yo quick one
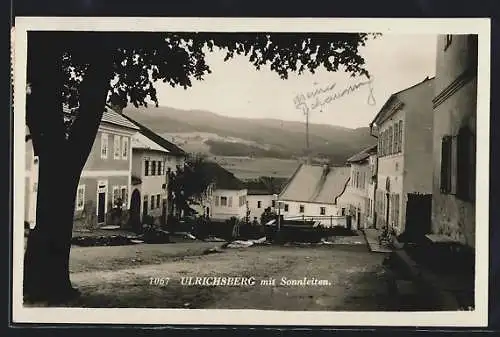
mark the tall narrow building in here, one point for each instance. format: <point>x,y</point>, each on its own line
<point>454,150</point>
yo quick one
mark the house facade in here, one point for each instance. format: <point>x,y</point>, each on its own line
<point>404,130</point>
<point>228,203</point>
<point>149,180</point>
<point>358,199</point>
<point>454,150</point>
<point>314,191</point>
<point>155,161</point>
<point>371,218</point>
<point>105,180</point>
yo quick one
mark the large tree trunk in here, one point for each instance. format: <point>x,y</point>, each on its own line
<point>46,263</point>
<point>61,160</point>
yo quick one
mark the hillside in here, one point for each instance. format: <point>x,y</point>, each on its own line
<point>202,131</point>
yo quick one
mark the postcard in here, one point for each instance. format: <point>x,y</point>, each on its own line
<point>229,171</point>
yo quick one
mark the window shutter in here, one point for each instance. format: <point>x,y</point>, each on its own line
<point>453,165</point>
<point>230,202</point>
<point>445,164</point>
<point>466,165</point>
<point>217,201</point>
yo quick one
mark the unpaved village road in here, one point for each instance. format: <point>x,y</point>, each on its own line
<point>356,277</point>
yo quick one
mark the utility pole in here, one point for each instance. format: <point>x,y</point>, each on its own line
<point>306,112</point>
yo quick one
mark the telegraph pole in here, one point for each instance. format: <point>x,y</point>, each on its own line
<point>306,112</point>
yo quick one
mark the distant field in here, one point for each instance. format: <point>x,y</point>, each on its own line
<point>247,168</point>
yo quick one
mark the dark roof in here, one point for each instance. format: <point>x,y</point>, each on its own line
<point>395,95</point>
<point>360,156</point>
<point>265,185</point>
<point>108,116</point>
<point>171,147</point>
<point>222,178</point>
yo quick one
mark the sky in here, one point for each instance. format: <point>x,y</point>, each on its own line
<point>236,89</point>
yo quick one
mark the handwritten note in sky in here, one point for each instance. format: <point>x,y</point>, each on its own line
<point>321,96</point>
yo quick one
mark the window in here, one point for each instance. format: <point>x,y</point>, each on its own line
<point>273,203</point>
<point>396,138</point>
<point>391,136</point>
<point>322,210</point>
<point>259,204</point>
<point>124,195</point>
<point>216,201</point>
<point>146,167</point>
<point>157,201</point>
<point>80,197</point>
<point>448,41</point>
<point>382,144</point>
<point>387,143</point>
<point>104,145</point>
<point>301,208</point>
<point>357,179</point>
<point>152,202</point>
<point>116,147</point>
<point>116,194</point>
<point>125,148</point>
<point>343,211</point>
<point>158,168</point>
<point>286,207</point>
<point>400,136</point>
<point>153,168</point>
<point>223,201</point>
<point>230,202</point>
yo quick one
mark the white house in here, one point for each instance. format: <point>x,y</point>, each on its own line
<point>262,193</point>
<point>313,191</point>
<point>153,159</point>
<point>149,180</point>
<point>404,176</point>
<point>358,199</point>
<point>225,196</point>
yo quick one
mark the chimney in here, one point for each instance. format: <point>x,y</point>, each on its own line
<point>326,169</point>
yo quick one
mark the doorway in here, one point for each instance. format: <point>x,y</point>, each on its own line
<point>102,189</point>
<point>144,208</point>
<point>135,210</point>
<point>387,210</point>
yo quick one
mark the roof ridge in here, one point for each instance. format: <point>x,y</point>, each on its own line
<point>175,149</point>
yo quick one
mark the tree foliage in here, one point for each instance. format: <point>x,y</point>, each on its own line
<point>138,60</point>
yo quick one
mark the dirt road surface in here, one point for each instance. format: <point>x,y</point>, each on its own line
<point>351,278</point>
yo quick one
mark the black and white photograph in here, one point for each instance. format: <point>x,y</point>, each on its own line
<point>251,171</point>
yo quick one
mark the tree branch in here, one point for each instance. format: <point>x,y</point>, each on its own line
<point>93,94</point>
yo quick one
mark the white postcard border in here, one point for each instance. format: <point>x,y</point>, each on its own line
<point>478,317</point>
